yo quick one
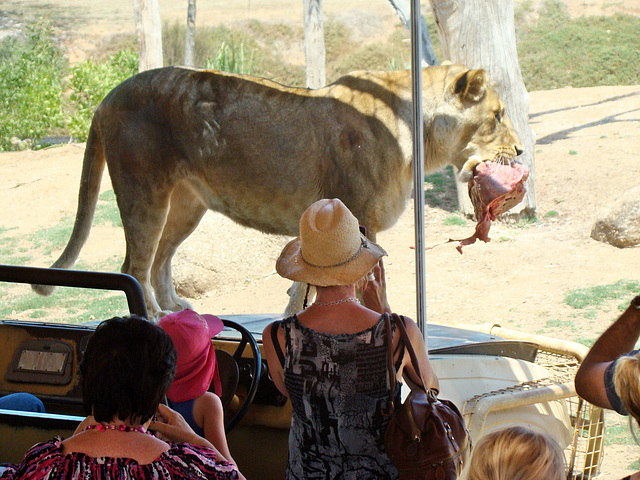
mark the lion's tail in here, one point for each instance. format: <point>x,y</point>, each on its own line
<point>90,180</point>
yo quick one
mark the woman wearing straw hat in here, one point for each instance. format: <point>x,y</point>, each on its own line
<point>330,359</point>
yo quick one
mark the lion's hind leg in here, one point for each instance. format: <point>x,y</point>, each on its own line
<point>143,205</point>
<point>185,212</point>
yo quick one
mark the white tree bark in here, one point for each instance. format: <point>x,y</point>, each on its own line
<point>403,10</point>
<point>149,33</point>
<point>314,43</point>
<point>481,34</point>
<point>190,35</point>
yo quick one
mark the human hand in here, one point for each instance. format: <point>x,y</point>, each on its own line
<point>373,289</point>
<point>171,426</point>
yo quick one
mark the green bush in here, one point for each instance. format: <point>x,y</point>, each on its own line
<point>91,82</point>
<point>31,87</point>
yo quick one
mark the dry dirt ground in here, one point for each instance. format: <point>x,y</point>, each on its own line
<point>586,157</point>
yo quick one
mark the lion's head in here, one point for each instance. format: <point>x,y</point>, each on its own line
<point>473,110</point>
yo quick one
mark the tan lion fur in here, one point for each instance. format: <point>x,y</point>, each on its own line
<point>179,141</point>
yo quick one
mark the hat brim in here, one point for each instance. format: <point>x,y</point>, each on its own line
<point>214,323</point>
<point>291,265</point>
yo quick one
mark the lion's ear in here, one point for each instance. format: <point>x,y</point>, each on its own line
<point>471,85</point>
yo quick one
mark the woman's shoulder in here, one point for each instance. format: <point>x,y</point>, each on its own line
<point>42,451</point>
<point>36,461</point>
<point>181,456</point>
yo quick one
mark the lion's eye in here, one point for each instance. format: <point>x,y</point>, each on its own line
<point>499,114</point>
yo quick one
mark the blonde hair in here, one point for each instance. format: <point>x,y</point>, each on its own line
<point>626,379</point>
<point>517,453</point>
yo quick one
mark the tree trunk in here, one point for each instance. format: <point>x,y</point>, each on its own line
<point>190,35</point>
<point>314,43</point>
<point>403,10</point>
<point>149,33</point>
<point>481,34</point>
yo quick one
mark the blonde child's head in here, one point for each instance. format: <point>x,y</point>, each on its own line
<point>517,453</point>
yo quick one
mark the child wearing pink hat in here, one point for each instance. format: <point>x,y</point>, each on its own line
<point>196,370</point>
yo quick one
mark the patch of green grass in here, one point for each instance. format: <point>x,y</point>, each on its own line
<point>551,214</point>
<point>557,323</point>
<point>111,264</point>
<point>231,58</point>
<point>55,237</point>
<point>72,305</point>
<point>440,189</point>
<point>456,220</point>
<point>607,47</point>
<point>107,212</point>
<point>526,222</point>
<point>587,341</point>
<point>573,152</point>
<point>590,314</point>
<point>618,435</point>
<point>8,246</point>
<point>583,298</point>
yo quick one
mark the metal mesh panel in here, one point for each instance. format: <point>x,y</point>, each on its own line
<point>585,453</point>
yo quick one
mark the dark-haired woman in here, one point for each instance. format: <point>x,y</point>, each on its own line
<point>126,370</point>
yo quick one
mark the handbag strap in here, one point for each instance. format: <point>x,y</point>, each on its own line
<point>416,435</point>
<point>391,369</point>
<point>399,321</point>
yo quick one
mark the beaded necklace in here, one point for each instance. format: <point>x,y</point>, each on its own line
<point>103,427</point>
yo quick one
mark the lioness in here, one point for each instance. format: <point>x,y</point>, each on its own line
<point>179,141</point>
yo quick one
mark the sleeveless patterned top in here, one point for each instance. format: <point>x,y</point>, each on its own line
<point>339,389</point>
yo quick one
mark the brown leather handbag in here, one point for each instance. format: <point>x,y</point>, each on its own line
<point>426,437</point>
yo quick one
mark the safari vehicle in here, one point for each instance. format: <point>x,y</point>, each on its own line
<point>497,377</point>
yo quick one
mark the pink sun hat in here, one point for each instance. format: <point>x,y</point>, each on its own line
<point>196,366</point>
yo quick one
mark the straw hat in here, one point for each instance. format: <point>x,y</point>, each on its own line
<point>330,249</point>
<point>196,367</point>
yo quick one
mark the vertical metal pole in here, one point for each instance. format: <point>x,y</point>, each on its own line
<point>418,164</point>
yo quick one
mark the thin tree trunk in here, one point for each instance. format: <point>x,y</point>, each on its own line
<point>190,35</point>
<point>403,10</point>
<point>149,33</point>
<point>314,43</point>
<point>481,34</point>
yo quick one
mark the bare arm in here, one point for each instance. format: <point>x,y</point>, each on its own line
<point>374,297</point>
<point>208,412</point>
<point>374,290</point>
<point>273,362</point>
<point>618,339</point>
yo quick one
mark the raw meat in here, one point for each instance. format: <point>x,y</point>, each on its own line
<point>494,189</point>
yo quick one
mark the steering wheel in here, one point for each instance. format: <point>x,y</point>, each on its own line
<point>233,372</point>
